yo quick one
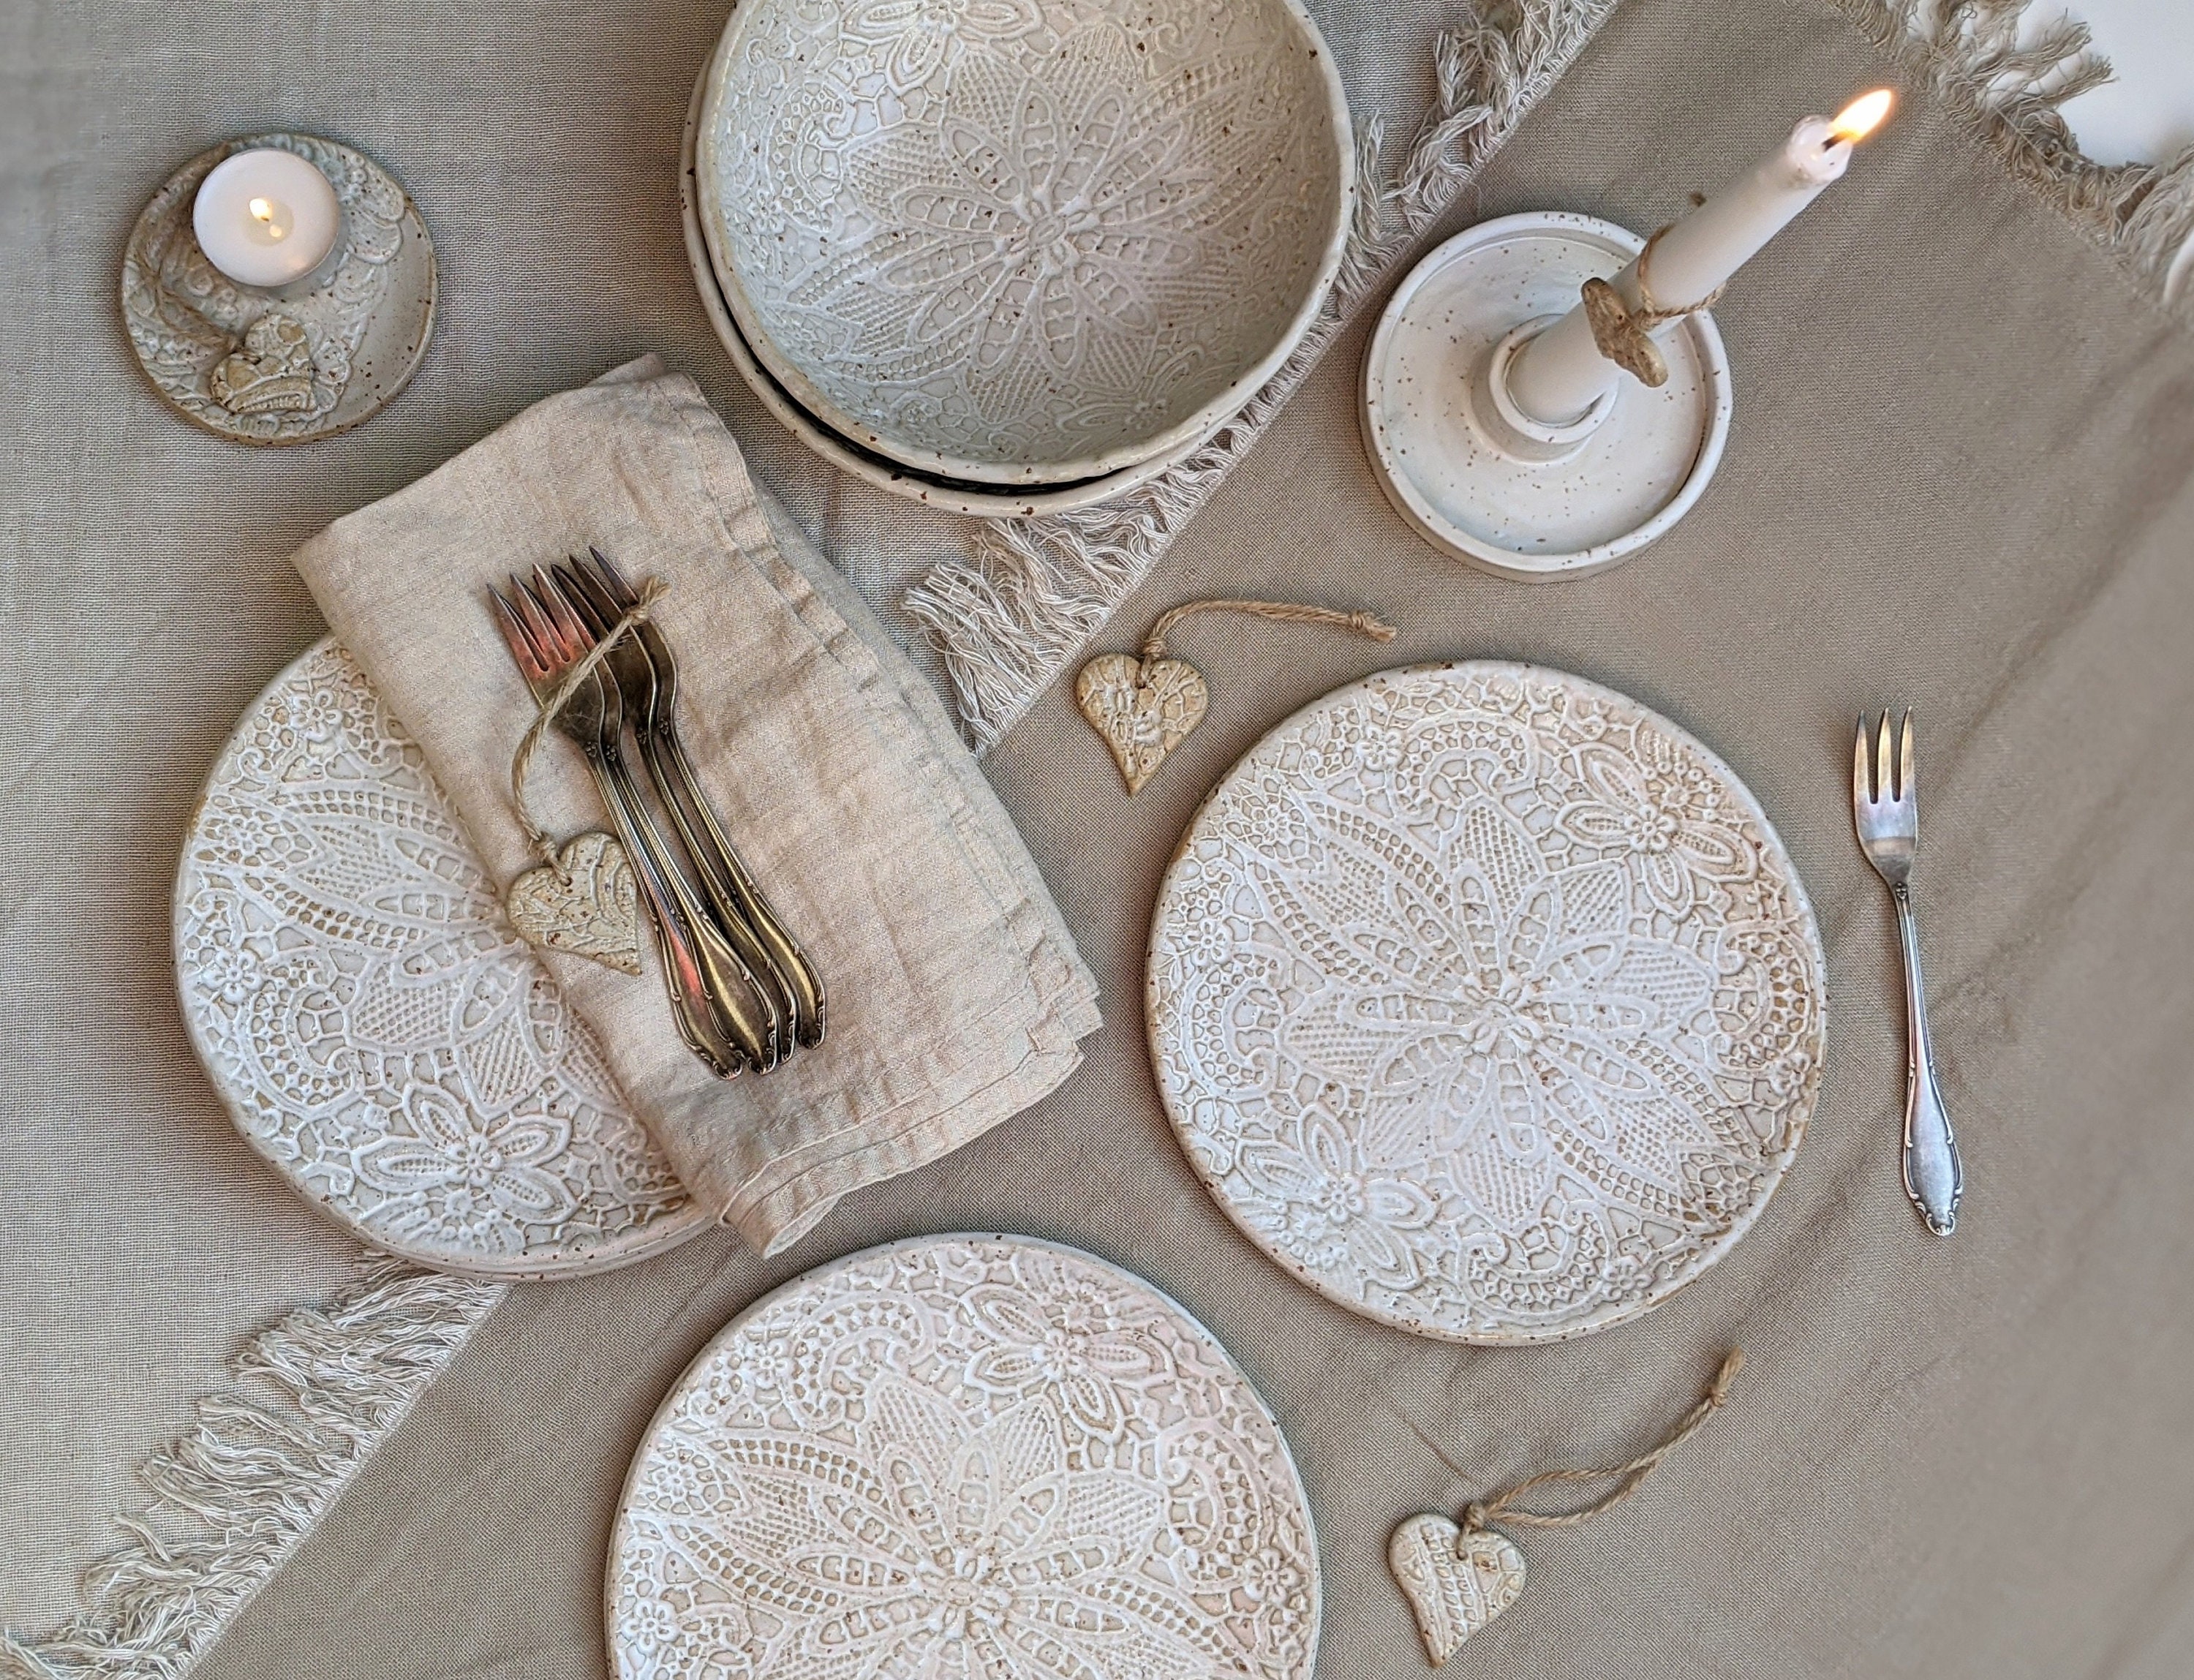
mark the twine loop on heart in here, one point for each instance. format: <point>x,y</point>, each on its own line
<point>652,590</point>
<point>1628,1477</point>
<point>1623,334</point>
<point>1280,612</point>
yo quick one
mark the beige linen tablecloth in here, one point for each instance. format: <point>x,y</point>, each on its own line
<point>148,595</point>
<point>1960,477</point>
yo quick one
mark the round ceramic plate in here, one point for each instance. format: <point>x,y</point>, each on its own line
<point>377,1031</point>
<point>964,1456</point>
<point>1024,241</point>
<point>959,496</point>
<point>1486,1002</point>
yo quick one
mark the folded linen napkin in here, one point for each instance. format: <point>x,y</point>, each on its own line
<point>956,995</point>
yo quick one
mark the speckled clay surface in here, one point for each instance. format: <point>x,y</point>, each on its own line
<point>978,501</point>
<point>1486,1002</point>
<point>271,369</point>
<point>1014,241</point>
<point>379,1032</point>
<point>1628,482</point>
<point>959,1457</point>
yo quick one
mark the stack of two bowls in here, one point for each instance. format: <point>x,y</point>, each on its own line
<point>1013,256</point>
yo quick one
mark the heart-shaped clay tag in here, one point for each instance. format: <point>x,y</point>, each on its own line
<point>271,373</point>
<point>1621,336</point>
<point>1455,1582</point>
<point>591,910</point>
<point>1141,720</point>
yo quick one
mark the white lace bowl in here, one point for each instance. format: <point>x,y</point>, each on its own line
<point>1024,241</point>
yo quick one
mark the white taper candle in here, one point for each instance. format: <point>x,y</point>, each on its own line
<point>1559,375</point>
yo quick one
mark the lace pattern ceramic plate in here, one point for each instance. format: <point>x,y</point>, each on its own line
<point>1024,241</point>
<point>1486,1002</point>
<point>962,1457</point>
<point>377,1031</point>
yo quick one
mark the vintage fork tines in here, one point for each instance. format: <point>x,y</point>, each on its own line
<point>713,997</point>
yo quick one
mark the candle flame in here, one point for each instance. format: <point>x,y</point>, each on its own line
<point>1862,116</point>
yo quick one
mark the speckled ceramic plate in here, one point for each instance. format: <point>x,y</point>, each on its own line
<point>1024,241</point>
<point>377,1031</point>
<point>964,1456</point>
<point>1486,1002</point>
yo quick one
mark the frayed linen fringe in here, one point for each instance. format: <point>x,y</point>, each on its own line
<point>1969,52</point>
<point>1035,591</point>
<point>308,1400</point>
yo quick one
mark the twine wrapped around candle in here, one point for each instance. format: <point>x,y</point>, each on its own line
<point>1624,334</point>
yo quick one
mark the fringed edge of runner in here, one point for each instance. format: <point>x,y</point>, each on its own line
<point>1970,54</point>
<point>308,1401</point>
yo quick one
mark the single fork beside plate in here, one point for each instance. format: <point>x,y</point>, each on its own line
<point>725,1015</point>
<point>1886,812</point>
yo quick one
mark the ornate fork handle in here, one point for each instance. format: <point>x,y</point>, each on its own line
<point>666,753</point>
<point>692,1006</point>
<point>728,985</point>
<point>1933,1176</point>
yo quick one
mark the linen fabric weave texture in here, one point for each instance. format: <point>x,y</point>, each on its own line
<point>1958,476</point>
<point>1961,1456</point>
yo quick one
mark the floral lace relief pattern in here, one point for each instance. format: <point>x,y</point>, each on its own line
<point>1020,230</point>
<point>379,1032</point>
<point>1487,1002</point>
<point>964,1459</point>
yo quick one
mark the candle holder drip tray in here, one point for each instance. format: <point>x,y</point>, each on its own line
<point>1479,479</point>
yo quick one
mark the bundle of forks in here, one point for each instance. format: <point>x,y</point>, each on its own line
<point>742,992</point>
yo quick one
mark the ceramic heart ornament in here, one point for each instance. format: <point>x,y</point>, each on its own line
<point>1456,1580</point>
<point>588,905</point>
<point>1143,713</point>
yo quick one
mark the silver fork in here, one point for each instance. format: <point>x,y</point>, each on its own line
<point>1885,811</point>
<point>665,752</point>
<point>741,1001</point>
<point>708,1014</point>
<point>629,667</point>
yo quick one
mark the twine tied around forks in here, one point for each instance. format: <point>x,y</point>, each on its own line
<point>652,589</point>
<point>1622,334</point>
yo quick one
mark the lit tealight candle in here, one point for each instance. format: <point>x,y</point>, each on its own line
<point>1558,376</point>
<point>266,217</point>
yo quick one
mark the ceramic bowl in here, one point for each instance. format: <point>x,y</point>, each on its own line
<point>1023,241</point>
<point>959,496</point>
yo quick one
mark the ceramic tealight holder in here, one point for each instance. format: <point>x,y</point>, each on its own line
<point>292,362</point>
<point>1474,472</point>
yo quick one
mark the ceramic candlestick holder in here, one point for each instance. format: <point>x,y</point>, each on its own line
<point>1478,476</point>
<point>292,364</point>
